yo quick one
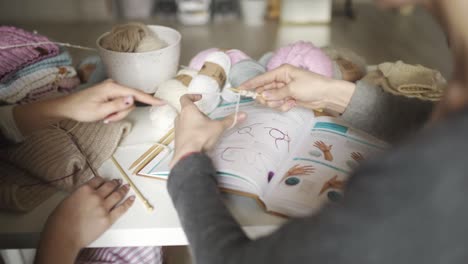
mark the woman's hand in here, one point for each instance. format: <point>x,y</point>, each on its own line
<point>106,101</point>
<point>287,86</point>
<point>82,218</point>
<point>195,132</point>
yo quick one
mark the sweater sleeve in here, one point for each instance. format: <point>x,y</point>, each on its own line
<point>384,115</point>
<point>410,200</point>
<point>9,130</point>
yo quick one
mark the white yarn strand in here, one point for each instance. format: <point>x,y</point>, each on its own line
<point>47,42</point>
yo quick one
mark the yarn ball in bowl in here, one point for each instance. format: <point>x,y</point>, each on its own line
<point>303,55</point>
<point>143,70</point>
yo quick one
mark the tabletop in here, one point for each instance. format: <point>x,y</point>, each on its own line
<point>138,227</point>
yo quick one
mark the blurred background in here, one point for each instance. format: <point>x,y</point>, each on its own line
<point>254,26</point>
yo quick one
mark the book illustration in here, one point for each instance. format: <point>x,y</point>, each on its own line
<point>357,158</point>
<point>244,155</point>
<point>333,183</point>
<point>271,174</point>
<point>292,176</point>
<point>279,136</point>
<point>315,153</point>
<point>247,130</point>
<point>326,150</point>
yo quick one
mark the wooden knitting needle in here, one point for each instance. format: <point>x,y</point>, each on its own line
<point>134,187</point>
<point>156,152</point>
<point>151,149</point>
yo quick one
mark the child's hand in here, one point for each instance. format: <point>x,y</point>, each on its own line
<point>106,101</point>
<point>194,131</point>
<point>287,86</point>
<point>82,218</point>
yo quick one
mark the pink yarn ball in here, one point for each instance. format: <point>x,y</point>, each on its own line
<point>197,62</point>
<point>303,55</point>
<point>236,56</point>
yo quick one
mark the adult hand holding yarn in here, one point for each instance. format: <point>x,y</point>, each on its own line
<point>196,132</point>
<point>287,86</point>
<point>107,100</point>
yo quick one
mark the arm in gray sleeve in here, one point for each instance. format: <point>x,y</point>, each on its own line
<point>409,201</point>
<point>384,115</point>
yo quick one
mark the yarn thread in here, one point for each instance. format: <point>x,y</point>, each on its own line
<point>62,44</point>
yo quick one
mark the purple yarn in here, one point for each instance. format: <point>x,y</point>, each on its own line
<point>14,59</point>
<point>303,55</point>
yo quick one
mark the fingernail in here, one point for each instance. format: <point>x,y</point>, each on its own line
<point>132,198</point>
<point>128,100</point>
<point>292,103</point>
<point>119,181</point>
<point>266,95</point>
<point>127,186</point>
<point>106,121</point>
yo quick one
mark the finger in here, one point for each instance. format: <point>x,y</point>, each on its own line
<point>118,90</point>
<point>275,103</point>
<point>108,187</point>
<point>116,105</point>
<point>95,182</point>
<point>280,74</point>
<point>277,94</point>
<point>228,121</point>
<point>116,196</point>
<point>290,104</point>
<point>188,99</point>
<point>121,209</point>
<point>119,115</point>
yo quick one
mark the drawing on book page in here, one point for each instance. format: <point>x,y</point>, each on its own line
<point>279,136</point>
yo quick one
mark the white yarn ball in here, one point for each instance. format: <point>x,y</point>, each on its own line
<point>229,95</point>
<point>171,90</point>
<point>162,117</point>
<point>209,87</point>
<point>150,43</point>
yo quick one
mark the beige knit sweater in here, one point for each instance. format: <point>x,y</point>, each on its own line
<point>57,157</point>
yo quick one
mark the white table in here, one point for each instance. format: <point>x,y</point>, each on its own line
<point>138,227</point>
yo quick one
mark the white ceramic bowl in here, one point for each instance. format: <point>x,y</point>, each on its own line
<point>145,70</point>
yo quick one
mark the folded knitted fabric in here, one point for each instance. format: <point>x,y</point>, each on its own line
<point>63,59</point>
<point>415,81</point>
<point>15,90</point>
<point>52,90</point>
<point>61,155</point>
<point>19,191</point>
<point>13,59</point>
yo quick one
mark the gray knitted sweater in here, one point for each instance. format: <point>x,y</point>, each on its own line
<point>408,206</point>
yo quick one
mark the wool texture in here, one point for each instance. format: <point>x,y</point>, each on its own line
<point>14,59</point>
<point>17,89</point>
<point>52,90</point>
<point>53,154</point>
<point>303,55</point>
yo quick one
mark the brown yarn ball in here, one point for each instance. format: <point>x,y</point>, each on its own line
<point>125,37</point>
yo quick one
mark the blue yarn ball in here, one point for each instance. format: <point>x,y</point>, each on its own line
<point>244,71</point>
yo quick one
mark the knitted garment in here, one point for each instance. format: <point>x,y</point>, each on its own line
<point>63,59</point>
<point>14,59</point>
<point>121,255</point>
<point>335,53</point>
<point>19,191</point>
<point>13,91</point>
<point>62,158</point>
<point>414,81</point>
<point>52,90</point>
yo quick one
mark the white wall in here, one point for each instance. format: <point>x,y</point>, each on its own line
<point>54,10</point>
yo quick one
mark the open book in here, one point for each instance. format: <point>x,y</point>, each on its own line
<point>292,162</point>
